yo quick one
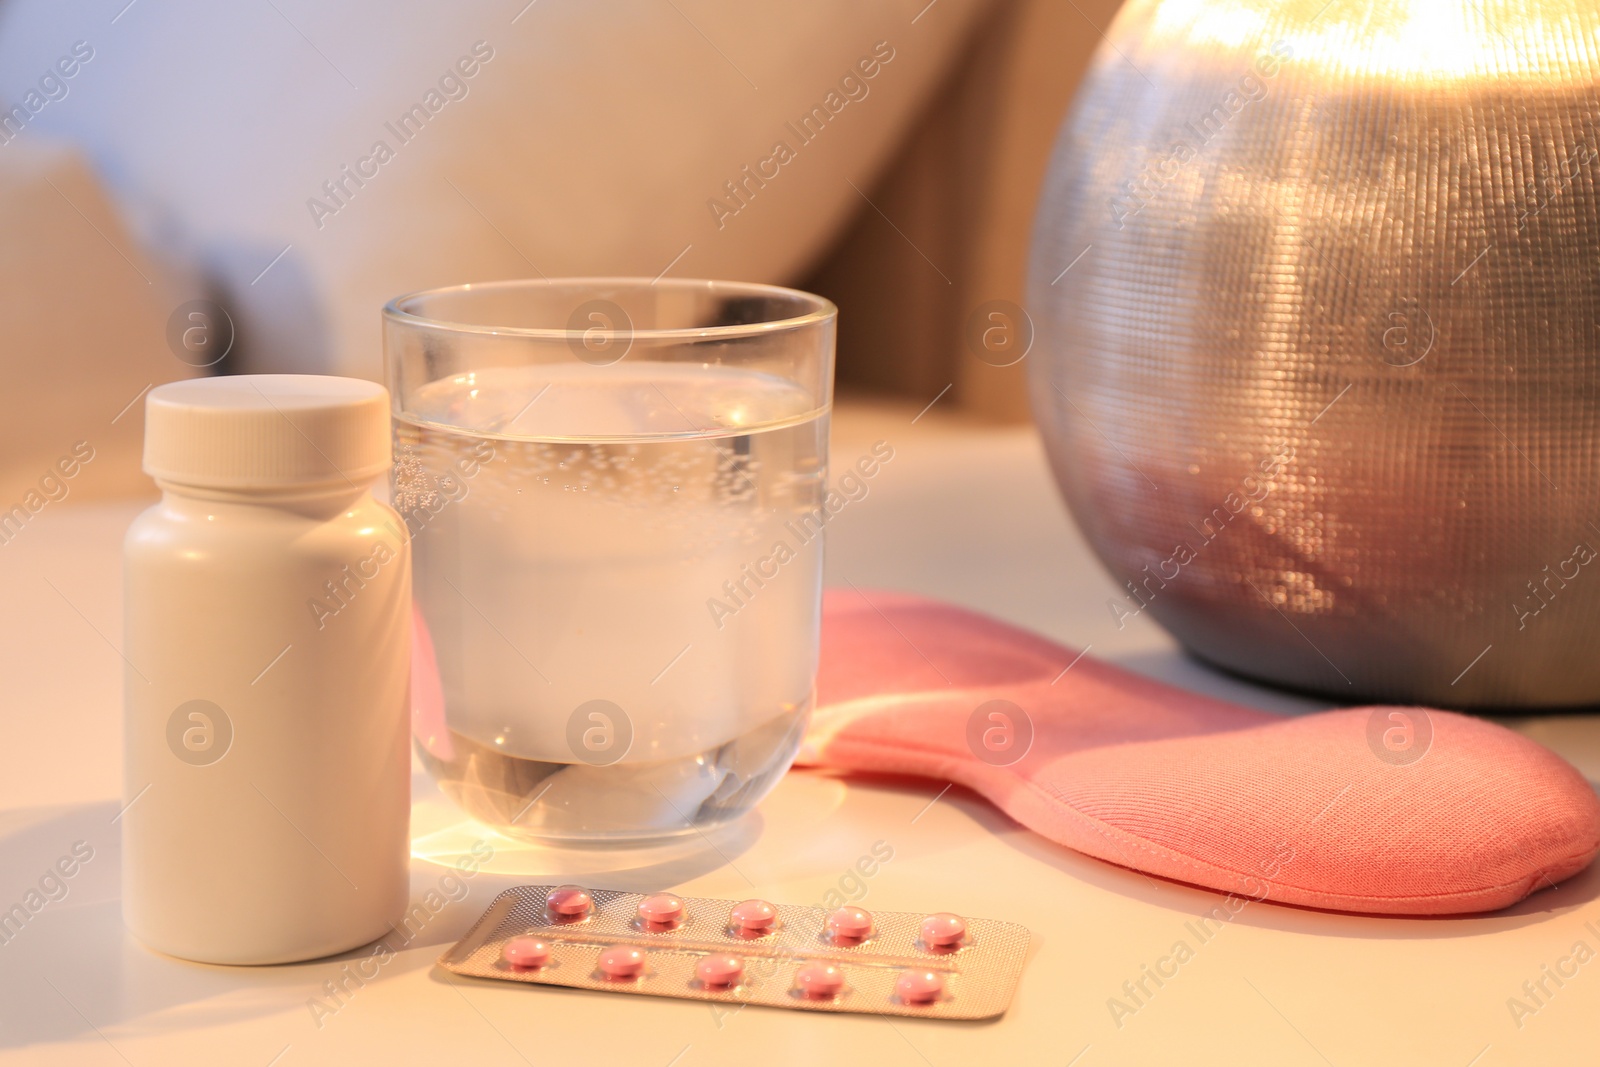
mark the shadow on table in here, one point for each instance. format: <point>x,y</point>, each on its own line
<point>72,971</point>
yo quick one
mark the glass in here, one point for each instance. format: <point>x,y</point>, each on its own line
<point>614,493</point>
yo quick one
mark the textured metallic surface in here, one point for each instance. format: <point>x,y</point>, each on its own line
<point>1363,238</point>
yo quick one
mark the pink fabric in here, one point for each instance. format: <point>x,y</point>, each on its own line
<point>1296,810</point>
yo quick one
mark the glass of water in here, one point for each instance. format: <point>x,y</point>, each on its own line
<point>614,491</point>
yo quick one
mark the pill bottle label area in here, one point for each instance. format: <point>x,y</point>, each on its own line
<point>929,964</point>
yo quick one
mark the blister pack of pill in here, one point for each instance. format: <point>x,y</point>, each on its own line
<point>937,965</point>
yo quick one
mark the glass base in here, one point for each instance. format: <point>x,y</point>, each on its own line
<point>622,804</point>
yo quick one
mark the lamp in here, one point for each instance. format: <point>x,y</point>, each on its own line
<point>1316,286</point>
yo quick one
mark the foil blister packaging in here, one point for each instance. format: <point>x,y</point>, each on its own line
<point>974,978</point>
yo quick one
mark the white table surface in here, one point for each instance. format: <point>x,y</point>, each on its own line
<point>963,511</point>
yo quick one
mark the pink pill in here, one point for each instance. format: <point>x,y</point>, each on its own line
<point>919,987</point>
<point>849,924</point>
<point>943,930</point>
<point>569,901</point>
<point>753,917</point>
<point>620,961</point>
<point>719,970</point>
<point>662,910</point>
<point>526,952</point>
<point>819,980</point>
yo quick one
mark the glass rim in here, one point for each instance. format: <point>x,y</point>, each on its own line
<point>819,308</point>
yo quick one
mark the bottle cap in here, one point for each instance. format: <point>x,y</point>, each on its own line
<point>261,431</point>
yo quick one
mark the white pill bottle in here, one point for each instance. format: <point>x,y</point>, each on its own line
<point>267,639</point>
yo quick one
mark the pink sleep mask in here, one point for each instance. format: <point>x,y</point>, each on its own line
<point>1402,811</point>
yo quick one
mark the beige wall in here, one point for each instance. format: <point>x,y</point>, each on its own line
<point>85,315</point>
<point>948,224</point>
